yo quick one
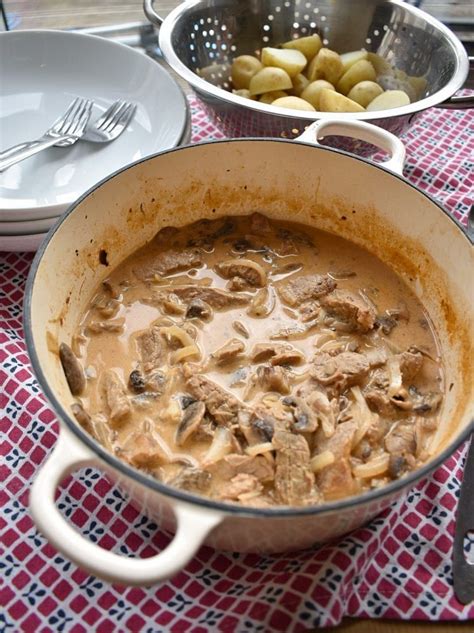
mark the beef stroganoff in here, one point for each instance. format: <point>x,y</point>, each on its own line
<point>258,362</point>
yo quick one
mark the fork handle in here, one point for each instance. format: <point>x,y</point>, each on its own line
<point>25,150</point>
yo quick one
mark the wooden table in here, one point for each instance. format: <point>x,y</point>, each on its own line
<point>87,13</point>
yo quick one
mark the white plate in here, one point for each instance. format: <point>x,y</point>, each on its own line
<point>27,227</point>
<point>42,72</point>
<point>21,243</point>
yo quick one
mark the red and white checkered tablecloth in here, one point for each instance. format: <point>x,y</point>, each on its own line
<point>398,566</point>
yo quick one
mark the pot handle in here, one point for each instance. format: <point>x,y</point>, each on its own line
<point>151,14</point>
<point>192,525</point>
<point>362,131</point>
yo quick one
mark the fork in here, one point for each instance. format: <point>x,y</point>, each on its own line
<point>110,125</point>
<point>107,128</point>
<point>67,129</point>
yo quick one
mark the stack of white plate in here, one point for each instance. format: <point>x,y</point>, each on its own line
<point>42,72</point>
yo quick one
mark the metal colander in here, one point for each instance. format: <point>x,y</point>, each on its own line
<point>200,38</point>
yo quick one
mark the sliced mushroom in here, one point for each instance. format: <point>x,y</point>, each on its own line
<point>192,418</point>
<point>273,379</point>
<point>199,309</point>
<point>72,369</point>
<point>251,271</point>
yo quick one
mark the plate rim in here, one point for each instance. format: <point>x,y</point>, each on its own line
<point>28,213</point>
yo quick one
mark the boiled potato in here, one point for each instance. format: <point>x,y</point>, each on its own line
<point>243,69</point>
<point>364,92</point>
<point>291,61</point>
<point>312,93</point>
<point>332,101</point>
<point>243,92</point>
<point>326,65</point>
<point>269,79</point>
<point>360,71</point>
<point>299,84</point>
<point>309,46</point>
<point>269,97</point>
<point>349,59</point>
<point>294,103</point>
<point>389,99</point>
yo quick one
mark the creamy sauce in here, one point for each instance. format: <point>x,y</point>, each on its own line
<point>285,252</point>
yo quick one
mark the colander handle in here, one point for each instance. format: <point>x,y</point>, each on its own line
<point>362,131</point>
<point>192,525</point>
<point>151,14</point>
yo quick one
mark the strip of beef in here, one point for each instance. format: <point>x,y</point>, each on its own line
<point>277,353</point>
<point>340,371</point>
<point>233,464</point>
<point>190,422</point>
<point>145,452</point>
<point>150,348</point>
<point>241,486</point>
<point>401,439</point>
<point>273,379</point>
<point>229,351</point>
<point>351,309</point>
<point>115,397</point>
<point>294,479</point>
<point>336,481</point>
<point>246,269</point>
<point>296,291</point>
<point>410,364</point>
<point>222,405</point>
<point>172,261</point>
<point>215,297</point>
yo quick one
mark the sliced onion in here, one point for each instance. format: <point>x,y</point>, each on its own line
<point>259,449</point>
<point>318,462</point>
<point>185,353</point>
<point>174,331</point>
<point>365,418</point>
<point>374,468</point>
<point>395,375</point>
<point>220,447</point>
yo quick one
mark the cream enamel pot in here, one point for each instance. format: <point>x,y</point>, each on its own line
<point>319,186</point>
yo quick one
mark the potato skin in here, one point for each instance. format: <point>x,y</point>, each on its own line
<point>269,79</point>
<point>360,71</point>
<point>269,97</point>
<point>309,46</point>
<point>243,69</point>
<point>326,65</point>
<point>312,93</point>
<point>364,92</point>
<point>300,82</point>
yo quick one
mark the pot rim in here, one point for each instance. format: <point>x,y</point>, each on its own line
<point>180,495</point>
<point>227,98</point>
